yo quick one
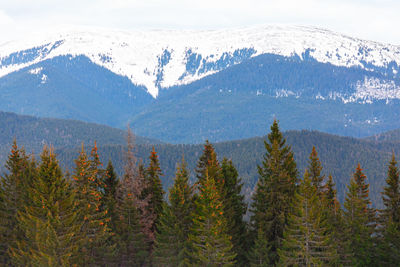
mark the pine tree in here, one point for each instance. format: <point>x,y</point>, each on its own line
<point>14,194</point>
<point>234,210</point>
<point>95,246</point>
<point>49,221</point>
<point>314,170</point>
<point>275,191</point>
<point>306,242</point>
<point>359,220</point>
<point>211,245</point>
<point>154,189</point>
<point>390,216</point>
<point>171,245</point>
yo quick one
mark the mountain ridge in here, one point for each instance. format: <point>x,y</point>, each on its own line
<point>161,59</point>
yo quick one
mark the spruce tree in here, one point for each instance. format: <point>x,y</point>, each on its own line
<point>154,190</point>
<point>235,209</point>
<point>275,191</point>
<point>95,248</point>
<point>211,245</point>
<point>333,216</point>
<point>133,244</point>
<point>314,169</point>
<point>259,255</point>
<point>390,216</point>
<point>306,241</point>
<point>134,221</point>
<point>171,244</point>
<point>49,220</point>
<point>208,163</point>
<point>359,220</point>
<point>14,194</point>
<point>109,186</point>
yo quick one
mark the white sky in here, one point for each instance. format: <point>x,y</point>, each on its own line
<point>377,20</point>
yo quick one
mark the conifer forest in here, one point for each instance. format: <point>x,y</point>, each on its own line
<point>90,216</point>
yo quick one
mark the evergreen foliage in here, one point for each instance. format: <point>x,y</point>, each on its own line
<point>390,216</point>
<point>275,191</point>
<point>306,241</point>
<point>171,245</point>
<point>154,190</point>
<point>359,220</point>
<point>14,195</point>
<point>259,255</point>
<point>211,245</point>
<point>235,209</point>
<point>315,171</point>
<point>49,221</point>
<point>95,231</point>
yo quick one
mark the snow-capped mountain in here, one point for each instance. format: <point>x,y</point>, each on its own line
<point>188,86</point>
<point>165,58</point>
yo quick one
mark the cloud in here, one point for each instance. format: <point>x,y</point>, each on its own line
<point>370,19</point>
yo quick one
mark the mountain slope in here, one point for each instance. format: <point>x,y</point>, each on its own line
<point>186,86</point>
<point>161,59</point>
<point>240,101</point>
<point>33,133</point>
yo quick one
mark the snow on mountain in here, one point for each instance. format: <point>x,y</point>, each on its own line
<point>164,58</point>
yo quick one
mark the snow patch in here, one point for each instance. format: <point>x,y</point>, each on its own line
<point>36,71</point>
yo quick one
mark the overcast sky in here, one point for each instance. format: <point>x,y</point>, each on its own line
<point>377,20</point>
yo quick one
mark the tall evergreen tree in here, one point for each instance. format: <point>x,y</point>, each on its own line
<point>95,248</point>
<point>208,163</point>
<point>211,245</point>
<point>134,220</point>
<point>49,221</point>
<point>359,220</point>
<point>259,255</point>
<point>275,191</point>
<point>154,189</point>
<point>314,169</point>
<point>133,244</point>
<point>171,245</point>
<point>109,189</point>
<point>235,209</point>
<point>333,216</point>
<point>306,241</point>
<point>390,216</point>
<point>14,194</point>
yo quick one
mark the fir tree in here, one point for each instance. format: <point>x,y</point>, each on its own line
<point>314,170</point>
<point>95,248</point>
<point>359,220</point>
<point>275,191</point>
<point>154,189</point>
<point>171,245</point>
<point>390,216</point>
<point>234,210</point>
<point>306,242</point>
<point>211,245</point>
<point>49,221</point>
<point>14,194</point>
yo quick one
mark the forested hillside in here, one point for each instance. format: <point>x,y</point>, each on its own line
<point>339,156</point>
